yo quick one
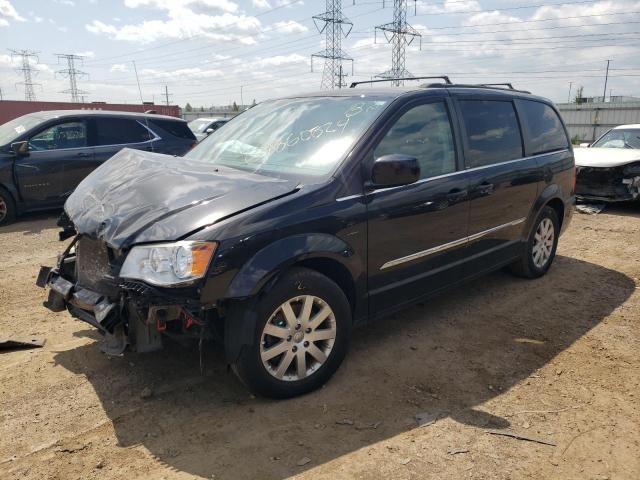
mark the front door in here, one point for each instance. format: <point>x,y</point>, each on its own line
<point>417,232</point>
<point>45,176</point>
<point>503,182</point>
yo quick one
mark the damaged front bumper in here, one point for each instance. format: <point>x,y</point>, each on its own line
<point>128,314</point>
<point>606,184</point>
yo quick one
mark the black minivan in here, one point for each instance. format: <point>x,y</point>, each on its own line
<point>44,155</point>
<point>312,214</point>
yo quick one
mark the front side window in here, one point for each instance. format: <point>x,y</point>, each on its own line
<point>619,138</point>
<point>297,138</point>
<point>492,132</point>
<point>60,136</point>
<point>546,132</point>
<point>424,132</point>
<point>118,131</point>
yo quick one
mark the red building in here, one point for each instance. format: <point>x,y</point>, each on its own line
<point>10,109</point>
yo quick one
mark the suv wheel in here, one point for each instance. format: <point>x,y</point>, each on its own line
<point>301,336</point>
<point>7,208</point>
<point>540,249</point>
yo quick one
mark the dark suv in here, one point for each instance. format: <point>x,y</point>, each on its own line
<point>44,155</point>
<point>309,215</point>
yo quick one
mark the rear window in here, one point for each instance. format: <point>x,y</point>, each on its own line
<point>546,132</point>
<point>176,128</point>
<point>492,132</point>
<point>117,131</point>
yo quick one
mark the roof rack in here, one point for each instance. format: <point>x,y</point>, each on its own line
<point>507,85</point>
<point>442,77</point>
<point>495,86</point>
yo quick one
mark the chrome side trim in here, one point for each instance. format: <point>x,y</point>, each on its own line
<point>446,246</point>
<point>350,197</point>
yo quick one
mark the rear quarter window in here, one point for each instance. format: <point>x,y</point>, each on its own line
<point>492,132</point>
<point>119,131</point>
<point>176,128</point>
<point>544,127</point>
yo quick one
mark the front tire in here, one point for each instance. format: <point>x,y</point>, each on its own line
<point>301,336</point>
<point>540,249</point>
<point>7,208</point>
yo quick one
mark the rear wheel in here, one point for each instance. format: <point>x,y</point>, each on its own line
<point>540,249</point>
<point>7,208</point>
<point>301,336</point>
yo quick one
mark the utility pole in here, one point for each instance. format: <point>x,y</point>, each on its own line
<point>400,34</point>
<point>606,78</point>
<point>569,97</point>
<point>72,74</point>
<point>166,95</point>
<point>25,68</point>
<point>241,97</point>
<point>332,22</point>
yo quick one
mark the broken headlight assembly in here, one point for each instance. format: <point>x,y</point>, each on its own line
<point>168,264</point>
<point>631,170</point>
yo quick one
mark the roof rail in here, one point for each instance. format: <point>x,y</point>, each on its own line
<point>442,77</point>
<point>495,86</point>
<point>507,85</point>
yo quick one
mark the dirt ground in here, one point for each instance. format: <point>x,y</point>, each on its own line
<point>555,360</point>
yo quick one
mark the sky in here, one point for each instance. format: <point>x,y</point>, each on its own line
<point>215,52</point>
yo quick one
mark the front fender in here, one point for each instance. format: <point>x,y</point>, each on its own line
<point>283,253</point>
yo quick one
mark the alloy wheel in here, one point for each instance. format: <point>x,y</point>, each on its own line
<point>298,338</point>
<point>543,243</point>
<point>3,209</point>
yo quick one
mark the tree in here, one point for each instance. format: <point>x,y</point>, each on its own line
<point>579,98</point>
<point>188,108</point>
<point>235,107</point>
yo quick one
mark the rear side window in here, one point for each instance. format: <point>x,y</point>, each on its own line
<point>117,131</point>
<point>175,128</point>
<point>544,126</point>
<point>492,132</point>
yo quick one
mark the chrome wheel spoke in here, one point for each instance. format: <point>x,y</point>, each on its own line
<point>274,351</point>
<point>284,363</point>
<point>275,331</point>
<point>316,353</point>
<point>305,313</point>
<point>318,335</point>
<point>301,363</point>
<point>289,316</point>
<point>320,317</point>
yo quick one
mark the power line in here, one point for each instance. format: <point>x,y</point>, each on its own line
<point>72,73</point>
<point>333,55</point>
<point>25,68</point>
<point>401,35</point>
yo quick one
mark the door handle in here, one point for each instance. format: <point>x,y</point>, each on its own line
<point>485,188</point>
<point>456,195</point>
<point>83,154</point>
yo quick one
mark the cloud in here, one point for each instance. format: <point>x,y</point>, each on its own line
<point>261,3</point>
<point>183,22</point>
<point>87,54</point>
<point>183,73</point>
<point>8,13</point>
<point>280,60</point>
<point>119,67</point>
<point>69,3</point>
<point>289,26</point>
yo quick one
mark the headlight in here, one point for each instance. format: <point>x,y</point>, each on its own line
<point>167,264</point>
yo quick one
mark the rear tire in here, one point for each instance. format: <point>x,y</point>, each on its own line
<point>7,208</point>
<point>301,336</point>
<point>540,249</point>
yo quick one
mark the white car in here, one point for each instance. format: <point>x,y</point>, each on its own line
<point>609,169</point>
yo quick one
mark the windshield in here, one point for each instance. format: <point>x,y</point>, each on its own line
<point>292,138</point>
<point>14,128</point>
<point>619,138</point>
<point>199,125</point>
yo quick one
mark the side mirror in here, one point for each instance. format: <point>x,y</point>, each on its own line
<point>21,149</point>
<point>585,144</point>
<point>209,131</point>
<point>395,170</point>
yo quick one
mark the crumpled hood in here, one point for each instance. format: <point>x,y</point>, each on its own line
<point>605,157</point>
<point>140,196</point>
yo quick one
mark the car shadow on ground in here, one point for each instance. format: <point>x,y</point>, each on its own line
<point>33,223</point>
<point>443,358</point>
<point>625,209</point>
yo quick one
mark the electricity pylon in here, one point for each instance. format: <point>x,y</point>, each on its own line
<point>72,73</point>
<point>26,70</point>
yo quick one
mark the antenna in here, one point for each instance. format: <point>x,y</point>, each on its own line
<point>333,55</point>
<point>72,73</point>
<point>400,34</point>
<point>25,68</point>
